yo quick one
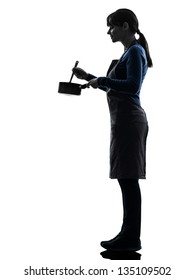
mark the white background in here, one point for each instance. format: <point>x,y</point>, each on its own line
<point>57,202</point>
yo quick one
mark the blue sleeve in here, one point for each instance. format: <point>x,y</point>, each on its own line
<point>90,77</point>
<point>133,78</point>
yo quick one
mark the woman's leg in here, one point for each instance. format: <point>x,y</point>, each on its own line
<point>131,196</point>
<point>129,236</point>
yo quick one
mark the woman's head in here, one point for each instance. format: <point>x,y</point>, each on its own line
<point>123,16</point>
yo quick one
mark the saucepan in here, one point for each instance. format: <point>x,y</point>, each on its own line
<point>71,88</point>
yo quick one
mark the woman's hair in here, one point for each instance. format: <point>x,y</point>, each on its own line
<point>124,15</point>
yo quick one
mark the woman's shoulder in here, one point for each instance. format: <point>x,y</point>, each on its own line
<point>136,48</point>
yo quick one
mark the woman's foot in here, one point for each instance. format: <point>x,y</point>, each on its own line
<point>121,243</point>
<point>104,243</point>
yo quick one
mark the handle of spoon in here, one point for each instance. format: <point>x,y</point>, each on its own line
<point>73,73</point>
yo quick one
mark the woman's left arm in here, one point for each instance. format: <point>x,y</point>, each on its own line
<point>132,82</point>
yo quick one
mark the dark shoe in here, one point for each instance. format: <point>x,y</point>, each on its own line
<point>120,243</point>
<point>105,243</point>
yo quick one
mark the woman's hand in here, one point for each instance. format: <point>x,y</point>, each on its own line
<point>80,73</point>
<point>93,83</point>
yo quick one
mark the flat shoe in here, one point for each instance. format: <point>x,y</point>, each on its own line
<point>121,244</point>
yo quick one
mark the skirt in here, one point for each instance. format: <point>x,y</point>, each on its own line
<point>128,150</point>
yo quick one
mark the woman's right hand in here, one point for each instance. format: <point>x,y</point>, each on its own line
<point>79,73</point>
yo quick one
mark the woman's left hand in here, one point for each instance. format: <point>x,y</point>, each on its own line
<point>93,83</point>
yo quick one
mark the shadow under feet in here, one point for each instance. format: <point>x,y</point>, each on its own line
<point>120,255</point>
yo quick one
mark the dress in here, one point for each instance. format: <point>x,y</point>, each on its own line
<point>129,126</point>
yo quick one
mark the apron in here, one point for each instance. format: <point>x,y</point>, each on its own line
<point>129,129</point>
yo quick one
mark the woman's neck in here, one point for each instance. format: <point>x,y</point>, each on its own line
<point>128,42</point>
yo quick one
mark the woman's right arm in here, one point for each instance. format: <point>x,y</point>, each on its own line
<point>81,74</point>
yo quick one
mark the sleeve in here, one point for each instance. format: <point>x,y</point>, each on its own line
<point>132,82</point>
<point>90,77</point>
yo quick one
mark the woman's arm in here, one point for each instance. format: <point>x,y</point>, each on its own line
<point>134,69</point>
<point>90,77</point>
<point>81,74</point>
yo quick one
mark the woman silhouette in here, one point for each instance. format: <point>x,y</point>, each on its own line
<point>129,126</point>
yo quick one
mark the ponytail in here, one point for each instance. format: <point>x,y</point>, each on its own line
<point>143,42</point>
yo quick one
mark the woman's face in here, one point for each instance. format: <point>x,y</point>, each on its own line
<point>116,33</point>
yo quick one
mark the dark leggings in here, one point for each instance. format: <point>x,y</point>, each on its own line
<point>131,196</point>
